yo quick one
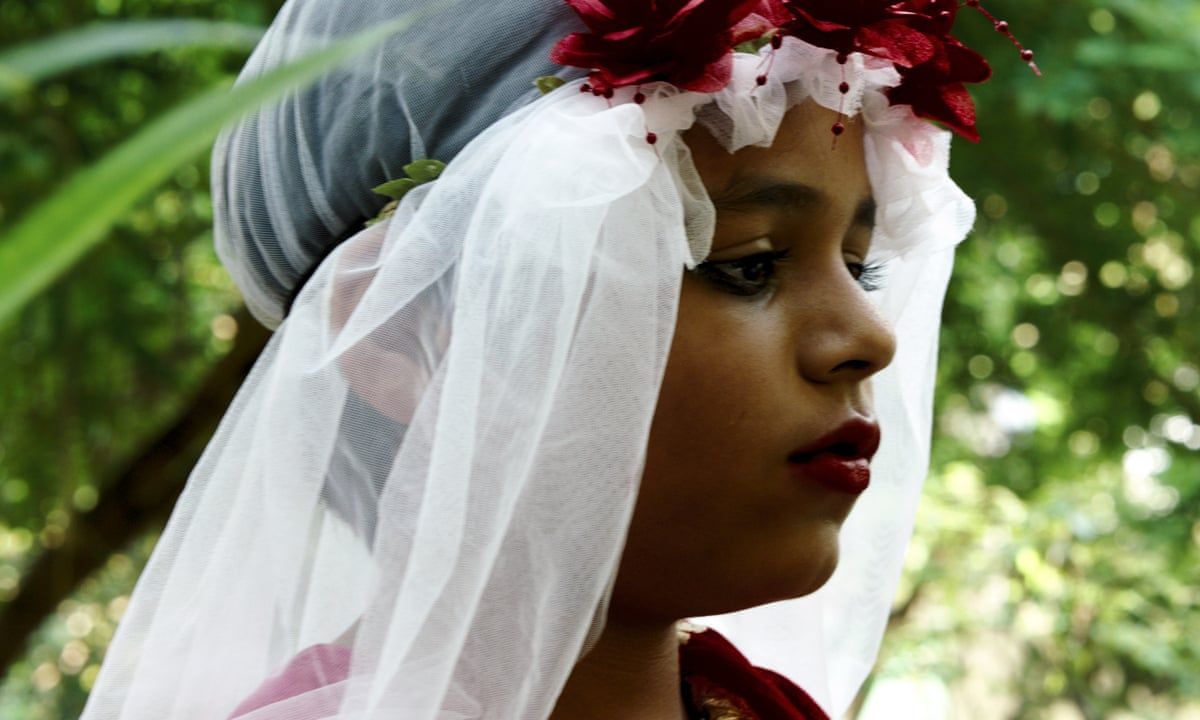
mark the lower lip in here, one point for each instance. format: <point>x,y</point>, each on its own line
<point>846,475</point>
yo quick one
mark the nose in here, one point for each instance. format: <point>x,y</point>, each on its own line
<point>847,339</point>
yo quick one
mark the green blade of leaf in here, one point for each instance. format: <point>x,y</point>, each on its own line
<point>30,63</point>
<point>547,84</point>
<point>395,189</point>
<point>423,171</point>
<point>59,231</point>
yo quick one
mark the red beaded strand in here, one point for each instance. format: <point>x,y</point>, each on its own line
<point>776,43</point>
<point>839,127</point>
<point>639,98</point>
<point>1002,28</point>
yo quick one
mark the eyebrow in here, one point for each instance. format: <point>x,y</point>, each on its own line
<point>788,196</point>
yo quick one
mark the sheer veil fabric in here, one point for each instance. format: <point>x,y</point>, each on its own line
<point>436,458</point>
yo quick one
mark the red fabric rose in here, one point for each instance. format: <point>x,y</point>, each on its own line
<point>880,28</point>
<point>935,89</point>
<point>915,36</point>
<point>688,43</point>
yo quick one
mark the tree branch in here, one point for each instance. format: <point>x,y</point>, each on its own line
<point>136,500</point>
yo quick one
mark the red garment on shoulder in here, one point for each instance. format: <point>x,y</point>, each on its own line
<point>716,673</point>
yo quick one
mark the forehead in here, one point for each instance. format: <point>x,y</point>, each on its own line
<point>804,153</point>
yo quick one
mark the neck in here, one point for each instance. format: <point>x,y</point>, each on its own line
<point>631,673</point>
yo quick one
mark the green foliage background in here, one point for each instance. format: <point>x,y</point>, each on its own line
<point>1054,568</point>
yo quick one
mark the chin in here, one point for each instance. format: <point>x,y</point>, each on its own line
<point>766,581</point>
<point>808,569</point>
<point>818,575</point>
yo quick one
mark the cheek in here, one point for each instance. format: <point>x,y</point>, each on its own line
<point>711,481</point>
<point>727,367</point>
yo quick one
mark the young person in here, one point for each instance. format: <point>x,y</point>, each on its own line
<point>658,344</point>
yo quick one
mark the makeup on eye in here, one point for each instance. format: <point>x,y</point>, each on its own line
<point>757,271</point>
<point>787,208</point>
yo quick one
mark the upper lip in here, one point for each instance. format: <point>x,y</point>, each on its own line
<point>854,439</point>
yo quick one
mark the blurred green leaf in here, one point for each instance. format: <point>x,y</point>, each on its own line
<point>24,66</point>
<point>1149,56</point>
<point>55,234</point>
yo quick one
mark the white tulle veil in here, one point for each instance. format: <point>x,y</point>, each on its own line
<point>436,458</point>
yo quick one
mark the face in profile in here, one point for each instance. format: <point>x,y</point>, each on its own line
<point>775,344</point>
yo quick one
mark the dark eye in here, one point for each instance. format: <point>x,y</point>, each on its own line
<point>746,276</point>
<point>868,275</point>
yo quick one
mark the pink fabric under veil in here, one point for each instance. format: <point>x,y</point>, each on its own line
<point>315,667</point>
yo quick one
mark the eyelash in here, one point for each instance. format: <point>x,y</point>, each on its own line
<point>868,275</point>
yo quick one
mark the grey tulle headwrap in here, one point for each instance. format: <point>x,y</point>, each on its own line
<point>295,180</point>
<point>426,93</point>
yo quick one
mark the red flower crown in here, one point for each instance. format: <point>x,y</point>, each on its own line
<point>689,43</point>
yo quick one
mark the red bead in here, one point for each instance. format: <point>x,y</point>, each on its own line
<point>608,93</point>
<point>585,88</point>
<point>776,41</point>
<point>1001,26</point>
<point>651,138</point>
<point>838,128</point>
<point>844,88</point>
<point>842,58</point>
<point>1027,55</point>
<point>639,98</point>
<point>761,79</point>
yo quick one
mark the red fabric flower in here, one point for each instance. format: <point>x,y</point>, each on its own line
<point>873,27</point>
<point>935,89</point>
<point>688,43</point>
<point>914,35</point>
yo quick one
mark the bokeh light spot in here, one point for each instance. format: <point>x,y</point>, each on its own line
<point>1024,363</point>
<point>1156,393</point>
<point>73,657</point>
<point>224,327</point>
<point>1042,288</point>
<point>1186,377</point>
<point>1102,21</point>
<point>1026,336</point>
<point>1113,274</point>
<point>981,367</point>
<point>1106,343</point>
<point>1099,108</point>
<point>1107,214</point>
<point>1087,183</point>
<point>85,498</point>
<point>1083,443</point>
<point>1147,106</point>
<point>1166,305</point>
<point>1072,281</point>
<point>46,677</point>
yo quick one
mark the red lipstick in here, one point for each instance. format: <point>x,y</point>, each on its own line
<point>841,460</point>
